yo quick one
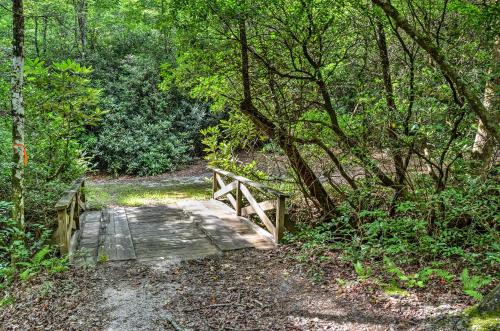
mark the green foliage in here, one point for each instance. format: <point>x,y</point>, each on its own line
<point>147,131</point>
<point>472,283</point>
<point>60,103</point>
<point>221,154</point>
<point>362,271</point>
<point>403,239</point>
<point>419,279</point>
<point>24,254</point>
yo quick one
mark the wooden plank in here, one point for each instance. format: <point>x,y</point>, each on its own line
<point>264,205</point>
<point>214,183</point>
<point>239,199</point>
<point>172,243</point>
<point>117,244</point>
<point>280,219</point>
<point>62,231</point>
<point>262,215</point>
<point>226,189</point>
<point>159,226</point>
<point>229,196</point>
<point>123,239</point>
<point>68,196</point>
<point>166,238</point>
<point>89,236</point>
<point>249,182</point>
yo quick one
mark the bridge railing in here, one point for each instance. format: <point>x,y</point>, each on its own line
<point>69,208</point>
<point>240,186</point>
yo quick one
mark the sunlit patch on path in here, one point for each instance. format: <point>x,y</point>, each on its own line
<point>187,229</point>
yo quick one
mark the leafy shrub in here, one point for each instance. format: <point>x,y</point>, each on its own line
<point>25,253</point>
<point>147,131</point>
<point>138,145</point>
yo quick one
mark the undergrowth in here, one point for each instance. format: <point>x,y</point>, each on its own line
<point>24,254</point>
<point>399,252</point>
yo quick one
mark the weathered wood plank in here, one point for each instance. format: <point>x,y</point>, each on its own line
<point>280,219</point>
<point>229,196</point>
<point>117,244</point>
<point>226,189</point>
<point>258,210</point>
<point>225,229</point>
<point>264,205</point>
<point>68,196</point>
<point>249,182</point>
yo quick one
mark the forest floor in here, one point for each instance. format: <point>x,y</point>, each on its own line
<point>239,290</point>
<point>242,290</point>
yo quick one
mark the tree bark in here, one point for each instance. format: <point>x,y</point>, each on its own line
<point>483,144</point>
<point>391,105</point>
<point>44,34</point>
<point>37,48</point>
<point>299,165</point>
<point>491,302</point>
<point>81,19</point>
<point>490,122</point>
<point>19,156</point>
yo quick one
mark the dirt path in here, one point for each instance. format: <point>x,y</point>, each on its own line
<point>243,290</point>
<point>240,290</point>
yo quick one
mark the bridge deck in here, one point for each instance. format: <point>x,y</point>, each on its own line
<point>184,230</point>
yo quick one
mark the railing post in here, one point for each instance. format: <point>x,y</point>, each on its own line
<point>77,211</point>
<point>215,185</point>
<point>280,218</point>
<point>239,200</point>
<point>83,197</point>
<point>63,236</point>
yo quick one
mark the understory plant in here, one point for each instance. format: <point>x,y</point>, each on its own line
<point>24,254</point>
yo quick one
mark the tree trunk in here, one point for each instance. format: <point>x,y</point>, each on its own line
<point>391,105</point>
<point>491,302</point>
<point>19,156</point>
<point>37,48</point>
<point>44,34</point>
<point>483,144</point>
<point>490,121</point>
<point>81,19</point>
<point>297,162</point>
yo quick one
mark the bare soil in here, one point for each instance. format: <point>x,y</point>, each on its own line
<point>242,290</point>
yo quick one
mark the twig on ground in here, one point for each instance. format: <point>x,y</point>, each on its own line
<point>172,322</point>
<point>215,305</point>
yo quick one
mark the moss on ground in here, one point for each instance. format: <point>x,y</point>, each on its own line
<point>482,322</point>
<point>102,195</point>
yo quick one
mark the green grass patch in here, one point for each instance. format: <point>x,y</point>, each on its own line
<point>99,196</point>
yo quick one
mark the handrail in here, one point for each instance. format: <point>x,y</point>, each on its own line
<point>221,189</point>
<point>69,208</point>
<point>259,186</point>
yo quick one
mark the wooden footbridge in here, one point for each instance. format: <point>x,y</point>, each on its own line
<point>232,219</point>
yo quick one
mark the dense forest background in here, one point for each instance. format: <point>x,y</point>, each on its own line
<point>93,99</point>
<point>382,117</point>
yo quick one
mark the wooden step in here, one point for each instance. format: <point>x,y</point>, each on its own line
<point>226,230</point>
<point>88,241</point>
<point>116,242</point>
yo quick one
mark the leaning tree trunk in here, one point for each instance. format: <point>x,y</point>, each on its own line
<point>19,156</point>
<point>391,105</point>
<point>491,302</point>
<point>483,144</point>
<point>299,165</point>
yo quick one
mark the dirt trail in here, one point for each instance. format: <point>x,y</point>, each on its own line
<point>242,290</point>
